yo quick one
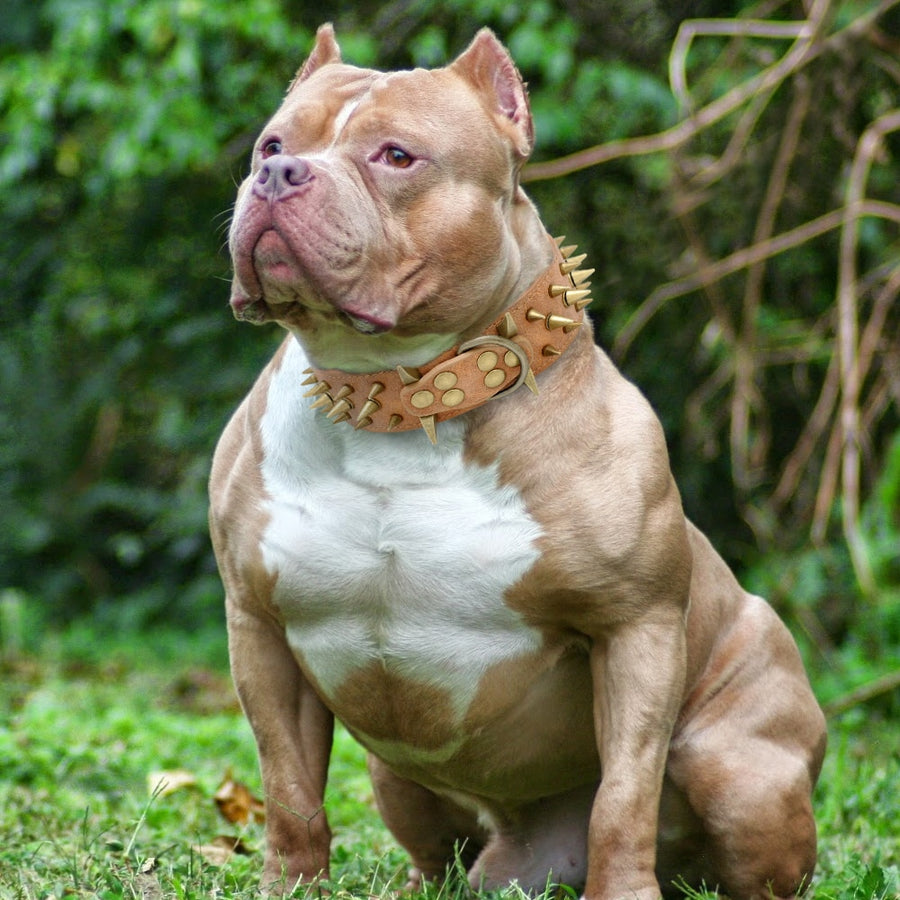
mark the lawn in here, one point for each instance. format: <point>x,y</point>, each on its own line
<point>86,723</point>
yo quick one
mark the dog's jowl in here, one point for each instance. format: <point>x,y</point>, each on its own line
<point>442,516</point>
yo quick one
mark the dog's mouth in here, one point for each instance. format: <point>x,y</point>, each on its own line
<point>366,324</point>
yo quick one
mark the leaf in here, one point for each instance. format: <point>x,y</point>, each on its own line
<point>163,783</point>
<point>221,848</point>
<point>236,803</point>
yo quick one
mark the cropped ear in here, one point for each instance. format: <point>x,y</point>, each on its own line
<point>325,51</point>
<point>489,68</point>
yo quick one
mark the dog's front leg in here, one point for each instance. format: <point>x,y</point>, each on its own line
<point>293,731</point>
<point>638,673</point>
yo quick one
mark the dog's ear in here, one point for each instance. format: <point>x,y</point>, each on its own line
<point>487,65</point>
<point>325,51</point>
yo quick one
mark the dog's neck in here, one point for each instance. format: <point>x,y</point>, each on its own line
<point>528,338</point>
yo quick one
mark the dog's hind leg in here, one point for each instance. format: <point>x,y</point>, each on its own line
<point>432,829</point>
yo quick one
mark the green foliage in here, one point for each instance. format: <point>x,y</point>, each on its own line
<point>126,129</point>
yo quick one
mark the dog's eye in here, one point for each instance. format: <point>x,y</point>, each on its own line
<point>397,158</point>
<point>270,148</point>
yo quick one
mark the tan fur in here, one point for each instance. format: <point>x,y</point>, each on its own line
<point>665,726</point>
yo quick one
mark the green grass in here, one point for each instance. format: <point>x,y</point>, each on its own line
<point>86,720</point>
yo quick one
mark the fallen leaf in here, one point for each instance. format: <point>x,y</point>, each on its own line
<point>221,848</point>
<point>236,803</point>
<point>160,784</point>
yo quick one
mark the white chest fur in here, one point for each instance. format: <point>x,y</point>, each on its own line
<point>387,549</point>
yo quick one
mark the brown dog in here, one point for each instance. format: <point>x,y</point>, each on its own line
<point>495,589</point>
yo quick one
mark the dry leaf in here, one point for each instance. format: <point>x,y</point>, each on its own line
<point>236,803</point>
<point>221,848</point>
<point>160,784</point>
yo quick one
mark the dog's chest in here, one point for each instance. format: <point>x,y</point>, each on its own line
<point>390,555</point>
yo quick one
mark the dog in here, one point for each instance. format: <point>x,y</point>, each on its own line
<point>443,517</point>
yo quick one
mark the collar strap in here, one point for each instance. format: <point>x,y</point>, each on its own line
<point>528,338</point>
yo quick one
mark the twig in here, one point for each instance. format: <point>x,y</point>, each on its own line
<point>863,694</point>
<point>848,328</point>
<point>799,55</point>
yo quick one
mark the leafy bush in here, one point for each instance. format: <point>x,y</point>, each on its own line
<point>129,126</point>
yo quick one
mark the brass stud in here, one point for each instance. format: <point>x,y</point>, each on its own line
<point>507,328</point>
<point>556,289</point>
<point>310,379</point>
<point>566,252</point>
<point>408,375</point>
<point>581,304</point>
<point>531,382</point>
<point>309,371</point>
<point>345,391</point>
<point>321,388</point>
<point>554,322</point>
<point>421,399</point>
<point>429,427</point>
<point>572,326</point>
<point>369,408</point>
<point>572,297</point>
<point>580,276</point>
<point>494,378</point>
<point>550,350</point>
<point>362,422</point>
<point>534,316</point>
<point>395,420</point>
<point>322,402</point>
<point>341,408</point>
<point>453,397</point>
<point>377,388</point>
<point>512,360</point>
<point>558,240</point>
<point>445,381</point>
<point>487,360</point>
<point>571,264</point>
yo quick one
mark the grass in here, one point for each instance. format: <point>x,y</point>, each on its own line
<point>85,721</point>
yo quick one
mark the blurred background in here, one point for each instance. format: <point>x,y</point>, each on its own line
<point>742,213</point>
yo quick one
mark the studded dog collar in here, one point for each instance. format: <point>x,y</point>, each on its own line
<point>524,341</point>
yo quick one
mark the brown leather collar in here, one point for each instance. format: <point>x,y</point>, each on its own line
<point>524,341</point>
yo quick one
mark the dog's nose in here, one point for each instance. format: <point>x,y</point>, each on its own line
<point>280,175</point>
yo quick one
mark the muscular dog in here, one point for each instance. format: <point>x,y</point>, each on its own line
<point>443,516</point>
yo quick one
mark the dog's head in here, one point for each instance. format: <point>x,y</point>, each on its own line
<point>382,210</point>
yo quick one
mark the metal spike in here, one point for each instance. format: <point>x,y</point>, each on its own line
<point>571,327</point>
<point>310,379</point>
<point>507,328</point>
<point>322,402</point>
<point>362,422</point>
<point>408,375</point>
<point>550,350</point>
<point>572,297</point>
<point>429,426</point>
<point>339,409</point>
<point>580,276</point>
<point>572,263</point>
<point>534,316</point>
<point>343,417</point>
<point>554,322</point>
<point>558,240</point>
<point>531,382</point>
<point>309,371</point>
<point>323,387</point>
<point>556,289</point>
<point>581,304</point>
<point>345,391</point>
<point>395,420</point>
<point>368,408</point>
<point>377,388</point>
<point>568,251</point>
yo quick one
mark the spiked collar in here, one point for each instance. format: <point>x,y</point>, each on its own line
<point>525,340</point>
